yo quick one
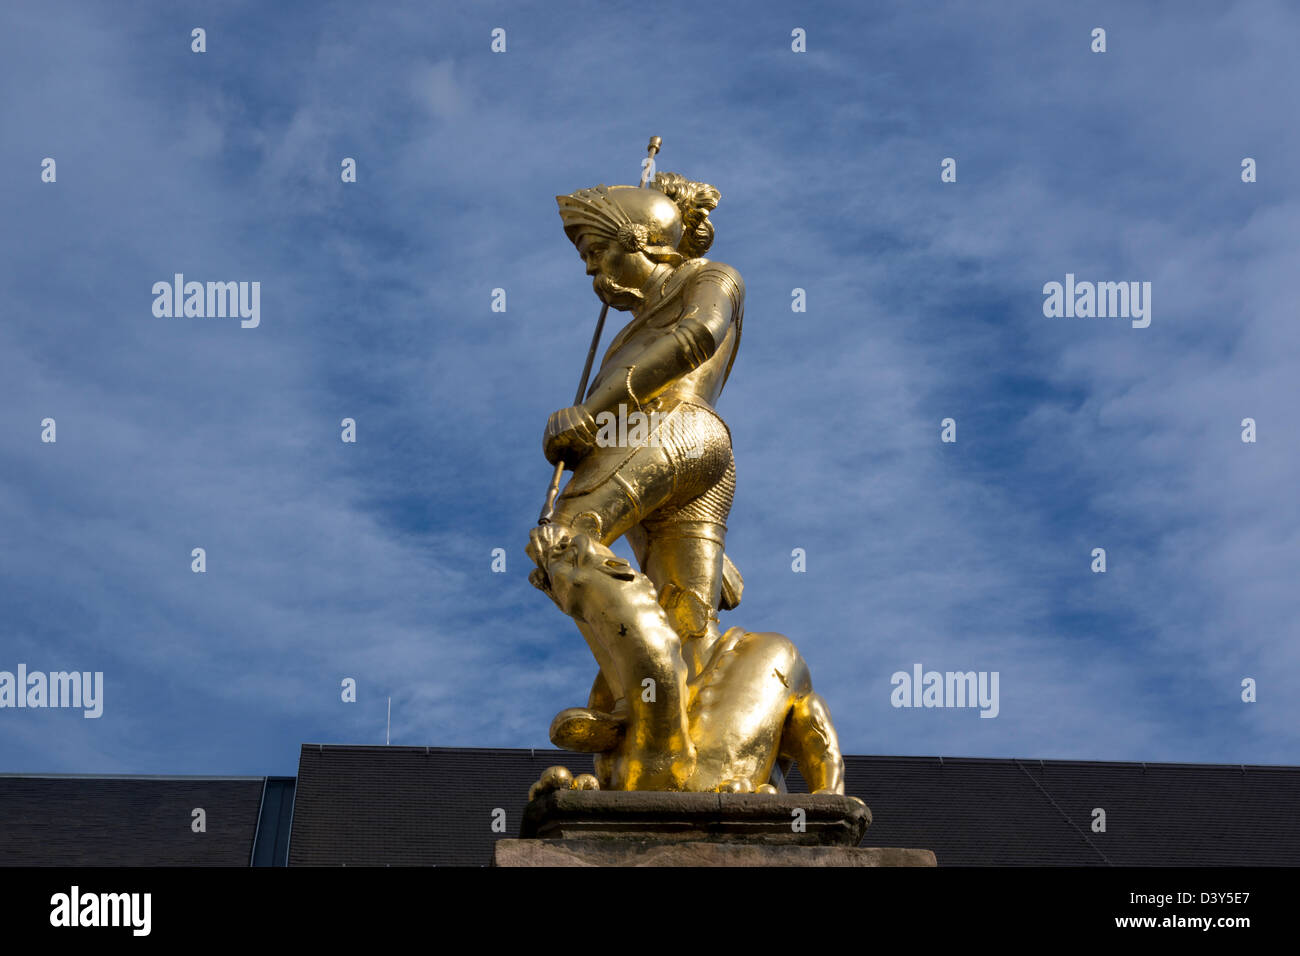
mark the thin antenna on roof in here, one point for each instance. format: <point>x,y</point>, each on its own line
<point>388,734</point>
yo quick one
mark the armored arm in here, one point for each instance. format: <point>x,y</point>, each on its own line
<point>716,297</point>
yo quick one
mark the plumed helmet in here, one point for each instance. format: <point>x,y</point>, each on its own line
<point>640,220</point>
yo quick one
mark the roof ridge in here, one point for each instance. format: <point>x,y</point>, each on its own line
<point>1065,816</point>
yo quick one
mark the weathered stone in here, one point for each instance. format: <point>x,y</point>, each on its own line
<point>643,852</point>
<point>759,819</point>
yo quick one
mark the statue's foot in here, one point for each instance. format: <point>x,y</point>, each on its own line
<point>735,786</point>
<point>559,778</point>
<point>586,730</point>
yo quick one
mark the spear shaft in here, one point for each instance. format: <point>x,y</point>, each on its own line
<point>553,490</point>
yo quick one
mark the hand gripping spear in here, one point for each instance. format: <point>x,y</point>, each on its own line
<point>548,509</point>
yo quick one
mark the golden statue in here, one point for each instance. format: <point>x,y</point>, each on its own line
<point>677,704</point>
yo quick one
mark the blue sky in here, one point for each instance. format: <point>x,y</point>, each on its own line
<point>373,560</point>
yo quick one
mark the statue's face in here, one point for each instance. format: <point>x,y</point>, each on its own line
<point>619,273</point>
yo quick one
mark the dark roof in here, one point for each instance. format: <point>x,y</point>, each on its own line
<point>372,805</point>
<point>980,812</point>
<point>126,821</point>
<point>435,805</point>
<point>411,806</point>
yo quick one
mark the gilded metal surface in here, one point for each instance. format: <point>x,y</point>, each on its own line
<point>677,704</point>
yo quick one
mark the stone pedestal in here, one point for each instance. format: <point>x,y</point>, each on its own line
<point>653,828</point>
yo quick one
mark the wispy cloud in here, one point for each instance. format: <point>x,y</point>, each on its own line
<point>373,561</point>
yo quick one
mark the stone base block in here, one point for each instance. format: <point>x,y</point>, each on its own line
<point>801,819</point>
<point>606,852</point>
<point>657,828</point>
